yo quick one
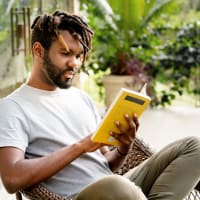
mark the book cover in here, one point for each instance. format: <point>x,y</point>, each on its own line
<point>127,101</point>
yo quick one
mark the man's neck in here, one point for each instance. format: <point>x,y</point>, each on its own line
<point>37,83</point>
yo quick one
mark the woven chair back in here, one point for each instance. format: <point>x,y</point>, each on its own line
<point>139,152</point>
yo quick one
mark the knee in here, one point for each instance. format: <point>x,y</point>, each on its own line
<point>192,146</point>
<point>113,187</point>
<point>194,142</point>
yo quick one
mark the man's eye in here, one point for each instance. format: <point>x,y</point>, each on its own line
<point>65,53</point>
<point>79,56</point>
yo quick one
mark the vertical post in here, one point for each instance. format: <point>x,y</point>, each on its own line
<point>16,23</point>
<point>70,6</point>
<point>76,6</point>
<point>40,7</point>
<point>12,32</point>
<point>29,31</point>
<point>24,30</point>
<point>20,30</point>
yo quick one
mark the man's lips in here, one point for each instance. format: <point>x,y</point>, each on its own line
<point>69,74</point>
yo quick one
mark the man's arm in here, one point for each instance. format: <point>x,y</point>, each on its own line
<point>19,173</point>
<point>115,159</point>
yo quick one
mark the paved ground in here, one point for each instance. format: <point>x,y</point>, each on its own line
<point>159,127</point>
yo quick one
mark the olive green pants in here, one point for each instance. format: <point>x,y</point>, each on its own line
<point>169,174</point>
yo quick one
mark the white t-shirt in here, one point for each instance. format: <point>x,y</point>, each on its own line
<point>40,122</point>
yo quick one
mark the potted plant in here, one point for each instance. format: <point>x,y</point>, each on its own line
<point>115,36</point>
<point>127,72</point>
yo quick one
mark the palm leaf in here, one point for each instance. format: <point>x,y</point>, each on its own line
<point>157,8</point>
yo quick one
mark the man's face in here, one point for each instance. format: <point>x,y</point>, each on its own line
<point>59,64</point>
<point>56,73</point>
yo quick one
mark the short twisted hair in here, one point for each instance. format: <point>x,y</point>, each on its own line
<point>45,27</point>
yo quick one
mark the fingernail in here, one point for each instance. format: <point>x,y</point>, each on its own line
<point>111,133</point>
<point>117,122</point>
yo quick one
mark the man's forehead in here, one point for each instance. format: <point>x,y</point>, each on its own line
<point>69,41</point>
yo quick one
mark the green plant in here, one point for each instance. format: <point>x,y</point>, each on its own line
<point>117,29</point>
<point>120,45</point>
<point>117,36</point>
<point>177,65</point>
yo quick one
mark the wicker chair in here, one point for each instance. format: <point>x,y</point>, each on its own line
<point>138,153</point>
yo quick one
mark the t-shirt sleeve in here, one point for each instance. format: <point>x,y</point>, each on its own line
<point>13,125</point>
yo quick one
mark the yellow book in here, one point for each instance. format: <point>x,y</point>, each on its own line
<point>127,101</point>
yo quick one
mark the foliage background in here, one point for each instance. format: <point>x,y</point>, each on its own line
<point>163,35</point>
<point>155,40</point>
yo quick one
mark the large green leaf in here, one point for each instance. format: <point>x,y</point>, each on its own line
<point>156,8</point>
<point>135,14</point>
<point>130,11</point>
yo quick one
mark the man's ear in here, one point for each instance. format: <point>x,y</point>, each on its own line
<point>38,49</point>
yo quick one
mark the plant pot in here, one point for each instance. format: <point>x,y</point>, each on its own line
<point>113,83</point>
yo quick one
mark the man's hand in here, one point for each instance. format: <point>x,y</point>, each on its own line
<point>126,135</point>
<point>88,145</point>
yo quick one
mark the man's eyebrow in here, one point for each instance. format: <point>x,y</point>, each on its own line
<point>72,51</point>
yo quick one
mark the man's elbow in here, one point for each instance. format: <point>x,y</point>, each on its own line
<point>11,184</point>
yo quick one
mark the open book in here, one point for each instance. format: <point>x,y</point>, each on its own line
<point>127,101</point>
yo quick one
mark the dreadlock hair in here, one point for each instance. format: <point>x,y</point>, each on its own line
<point>45,27</point>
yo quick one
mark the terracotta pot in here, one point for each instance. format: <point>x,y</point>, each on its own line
<point>113,83</point>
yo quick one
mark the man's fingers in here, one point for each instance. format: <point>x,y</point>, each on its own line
<point>135,119</point>
<point>122,138</point>
<point>121,128</point>
<point>131,122</point>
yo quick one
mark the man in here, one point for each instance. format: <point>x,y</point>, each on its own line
<point>46,128</point>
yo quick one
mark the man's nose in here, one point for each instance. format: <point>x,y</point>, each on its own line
<point>73,61</point>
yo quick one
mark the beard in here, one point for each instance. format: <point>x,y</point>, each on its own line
<point>54,75</point>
